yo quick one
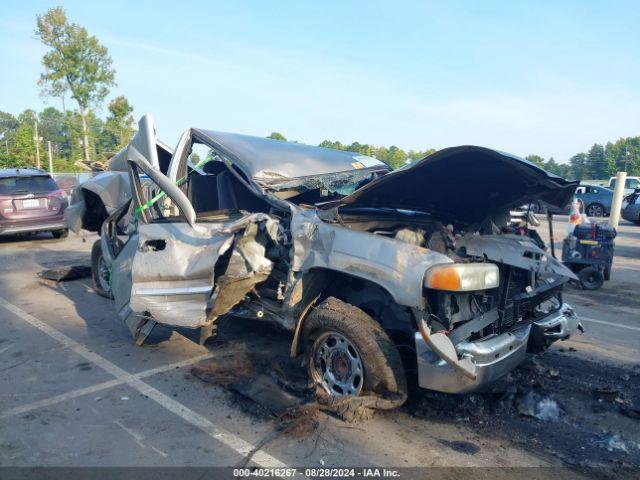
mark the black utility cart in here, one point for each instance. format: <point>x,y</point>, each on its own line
<point>588,252</point>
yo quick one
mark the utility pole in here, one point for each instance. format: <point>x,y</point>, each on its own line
<point>50,157</point>
<point>626,159</point>
<point>37,140</point>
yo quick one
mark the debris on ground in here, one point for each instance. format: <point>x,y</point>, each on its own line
<point>610,394</point>
<point>585,398</point>
<point>66,273</point>
<point>532,364</point>
<point>224,369</point>
<point>299,422</point>
<point>359,409</point>
<point>631,412</point>
<point>461,446</point>
<point>575,406</point>
<point>265,392</point>
<point>276,383</point>
<point>548,410</point>
<point>532,404</point>
<point>553,372</point>
<point>614,443</point>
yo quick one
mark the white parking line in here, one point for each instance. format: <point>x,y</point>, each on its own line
<point>227,438</point>
<point>611,324</point>
<point>11,412</point>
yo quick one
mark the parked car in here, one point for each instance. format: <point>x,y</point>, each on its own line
<point>539,207</point>
<point>359,263</point>
<point>631,207</point>
<point>31,201</point>
<point>630,184</point>
<point>596,200</point>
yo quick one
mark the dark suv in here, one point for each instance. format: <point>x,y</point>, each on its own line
<point>31,201</point>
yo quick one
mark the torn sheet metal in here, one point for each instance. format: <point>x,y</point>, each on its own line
<point>173,268</point>
<point>247,267</point>
<point>396,266</point>
<point>112,188</point>
<point>515,250</point>
<point>172,271</point>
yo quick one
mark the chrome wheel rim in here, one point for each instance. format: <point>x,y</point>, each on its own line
<point>104,275</point>
<point>336,365</point>
<point>595,211</point>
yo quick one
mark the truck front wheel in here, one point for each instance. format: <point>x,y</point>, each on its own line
<point>350,354</point>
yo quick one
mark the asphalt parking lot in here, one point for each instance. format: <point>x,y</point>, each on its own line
<point>76,391</point>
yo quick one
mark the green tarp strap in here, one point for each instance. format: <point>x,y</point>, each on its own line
<point>160,195</point>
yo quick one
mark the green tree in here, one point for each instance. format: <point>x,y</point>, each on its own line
<point>596,163</point>
<point>536,160</point>
<point>414,155</point>
<point>24,147</point>
<point>7,123</point>
<point>393,156</point>
<point>76,63</point>
<point>277,136</point>
<point>623,155</point>
<point>578,166</point>
<point>118,127</point>
<point>330,144</point>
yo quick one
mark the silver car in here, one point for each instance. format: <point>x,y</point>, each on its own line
<point>359,263</point>
<point>631,207</point>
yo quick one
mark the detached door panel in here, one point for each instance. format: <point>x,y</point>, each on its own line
<point>172,271</point>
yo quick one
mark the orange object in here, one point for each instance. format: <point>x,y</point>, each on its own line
<point>445,279</point>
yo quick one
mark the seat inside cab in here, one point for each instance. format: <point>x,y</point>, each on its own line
<point>220,189</point>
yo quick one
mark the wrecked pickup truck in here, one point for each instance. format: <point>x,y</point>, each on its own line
<point>374,272</point>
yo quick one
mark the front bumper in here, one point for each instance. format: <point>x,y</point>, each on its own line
<point>27,227</point>
<point>494,357</point>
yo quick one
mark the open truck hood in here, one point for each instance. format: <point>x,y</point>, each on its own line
<point>464,186</point>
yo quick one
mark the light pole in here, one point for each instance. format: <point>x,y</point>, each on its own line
<point>37,140</point>
<point>626,159</point>
<point>50,154</point>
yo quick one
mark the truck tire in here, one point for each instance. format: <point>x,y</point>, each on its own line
<point>349,353</point>
<point>591,278</point>
<point>100,272</point>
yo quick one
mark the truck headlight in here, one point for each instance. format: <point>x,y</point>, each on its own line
<point>462,277</point>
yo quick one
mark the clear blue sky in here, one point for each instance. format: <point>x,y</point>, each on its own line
<point>543,77</point>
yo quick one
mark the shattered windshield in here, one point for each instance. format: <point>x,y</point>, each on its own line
<point>326,186</point>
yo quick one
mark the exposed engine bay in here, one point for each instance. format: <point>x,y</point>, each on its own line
<point>530,280</point>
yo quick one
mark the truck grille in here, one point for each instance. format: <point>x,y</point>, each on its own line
<point>513,309</point>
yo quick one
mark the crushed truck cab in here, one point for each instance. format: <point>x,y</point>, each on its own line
<point>358,262</point>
